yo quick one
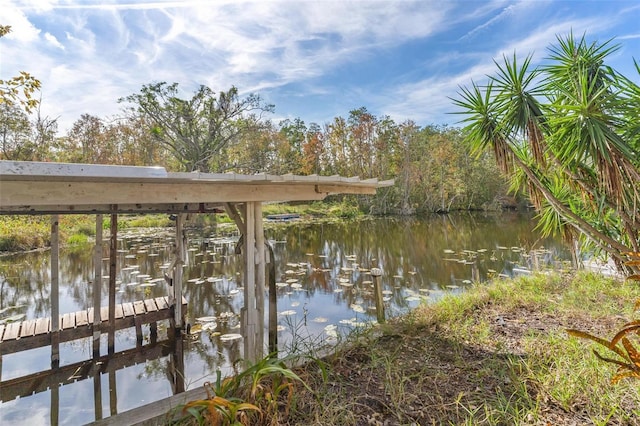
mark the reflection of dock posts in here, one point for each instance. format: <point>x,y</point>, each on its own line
<point>97,392</point>
<point>55,295</point>
<point>376,273</point>
<point>176,366</point>
<point>475,272</point>
<point>55,404</point>
<point>113,253</point>
<point>273,302</point>
<point>97,287</point>
<point>113,395</point>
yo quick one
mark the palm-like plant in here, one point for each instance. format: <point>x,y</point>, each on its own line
<point>567,133</point>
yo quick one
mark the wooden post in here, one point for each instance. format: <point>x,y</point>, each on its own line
<point>97,286</point>
<point>250,317</point>
<point>113,257</point>
<point>273,303</point>
<point>259,260</point>
<point>376,273</point>
<point>55,293</point>
<point>177,272</point>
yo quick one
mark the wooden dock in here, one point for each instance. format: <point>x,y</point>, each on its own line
<point>35,333</point>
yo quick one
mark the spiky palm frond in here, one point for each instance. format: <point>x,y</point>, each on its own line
<point>518,105</point>
<point>483,128</point>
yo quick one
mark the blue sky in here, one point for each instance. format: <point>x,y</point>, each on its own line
<point>312,59</point>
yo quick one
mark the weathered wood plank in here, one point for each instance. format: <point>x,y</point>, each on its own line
<point>128,309</point>
<point>42,326</point>
<point>150,305</point>
<point>119,311</point>
<point>12,331</point>
<point>28,328</point>
<point>1,331</point>
<point>138,307</point>
<point>90,315</point>
<point>161,302</point>
<point>68,321</point>
<point>82,318</point>
<point>155,413</point>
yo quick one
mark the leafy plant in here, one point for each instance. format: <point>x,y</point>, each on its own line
<point>626,342</point>
<point>265,387</point>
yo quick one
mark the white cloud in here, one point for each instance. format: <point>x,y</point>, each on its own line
<point>53,40</point>
<point>22,30</point>
<point>284,49</point>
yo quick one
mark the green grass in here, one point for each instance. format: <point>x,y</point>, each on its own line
<point>449,363</point>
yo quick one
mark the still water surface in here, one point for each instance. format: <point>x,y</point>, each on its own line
<point>324,292</point>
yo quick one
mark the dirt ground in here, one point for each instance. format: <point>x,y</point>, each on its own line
<point>436,380</point>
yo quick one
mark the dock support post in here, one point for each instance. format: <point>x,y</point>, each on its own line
<point>177,272</point>
<point>250,317</point>
<point>55,294</point>
<point>376,273</point>
<point>259,260</point>
<point>113,258</point>
<point>97,286</point>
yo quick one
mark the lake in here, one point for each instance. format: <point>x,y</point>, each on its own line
<point>324,291</point>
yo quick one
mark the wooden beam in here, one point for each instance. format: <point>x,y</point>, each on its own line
<point>27,193</point>
<point>169,208</point>
<point>55,291</point>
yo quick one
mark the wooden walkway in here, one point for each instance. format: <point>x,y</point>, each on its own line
<point>30,334</point>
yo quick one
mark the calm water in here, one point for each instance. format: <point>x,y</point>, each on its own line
<point>324,291</point>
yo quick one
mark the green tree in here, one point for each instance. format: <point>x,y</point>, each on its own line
<point>15,133</point>
<point>19,89</point>
<point>196,130</point>
<point>568,133</point>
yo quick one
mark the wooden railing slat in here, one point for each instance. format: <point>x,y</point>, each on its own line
<point>42,326</point>
<point>82,318</point>
<point>28,328</point>
<point>12,330</point>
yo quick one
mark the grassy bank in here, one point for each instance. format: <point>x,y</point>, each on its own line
<point>498,354</point>
<point>22,233</point>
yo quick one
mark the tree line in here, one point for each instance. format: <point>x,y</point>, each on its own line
<point>225,132</point>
